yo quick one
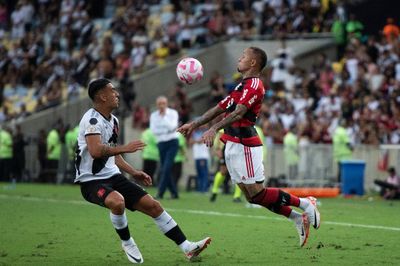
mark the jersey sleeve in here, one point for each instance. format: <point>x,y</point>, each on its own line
<point>226,102</point>
<point>92,127</point>
<point>252,93</point>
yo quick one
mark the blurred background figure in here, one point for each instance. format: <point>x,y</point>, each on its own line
<point>342,148</point>
<point>150,154</point>
<point>201,156</point>
<point>19,144</point>
<point>163,124</point>
<point>6,154</point>
<point>390,188</point>
<point>179,160</point>
<point>291,151</point>
<point>53,145</point>
<point>71,140</point>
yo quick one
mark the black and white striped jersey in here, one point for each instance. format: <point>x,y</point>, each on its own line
<point>87,168</point>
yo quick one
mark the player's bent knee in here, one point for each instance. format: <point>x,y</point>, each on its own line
<point>115,202</point>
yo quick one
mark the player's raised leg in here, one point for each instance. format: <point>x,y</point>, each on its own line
<point>279,201</point>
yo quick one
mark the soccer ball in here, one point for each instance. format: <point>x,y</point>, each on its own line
<point>189,70</point>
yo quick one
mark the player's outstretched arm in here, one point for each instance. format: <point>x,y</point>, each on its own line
<point>99,150</point>
<point>212,113</point>
<point>209,136</point>
<point>141,176</point>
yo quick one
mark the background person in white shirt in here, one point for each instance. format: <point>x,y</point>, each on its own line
<point>201,156</point>
<point>163,124</point>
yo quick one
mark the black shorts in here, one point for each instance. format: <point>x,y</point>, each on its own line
<point>96,191</point>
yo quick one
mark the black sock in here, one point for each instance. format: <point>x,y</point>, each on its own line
<point>176,235</point>
<point>124,233</point>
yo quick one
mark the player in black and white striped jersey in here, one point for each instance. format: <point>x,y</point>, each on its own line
<point>98,171</point>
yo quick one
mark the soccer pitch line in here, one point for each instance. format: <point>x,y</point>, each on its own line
<point>208,213</point>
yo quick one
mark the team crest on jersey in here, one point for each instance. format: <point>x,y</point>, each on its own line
<point>101,192</point>
<point>93,121</point>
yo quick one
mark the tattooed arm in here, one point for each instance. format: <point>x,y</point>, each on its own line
<point>186,129</point>
<point>231,118</point>
<point>209,135</point>
<point>99,150</point>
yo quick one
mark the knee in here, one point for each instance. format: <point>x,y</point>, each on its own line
<point>116,204</point>
<point>154,209</point>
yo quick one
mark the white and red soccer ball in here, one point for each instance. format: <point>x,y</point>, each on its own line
<point>189,70</point>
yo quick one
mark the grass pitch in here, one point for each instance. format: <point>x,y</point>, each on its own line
<point>53,225</point>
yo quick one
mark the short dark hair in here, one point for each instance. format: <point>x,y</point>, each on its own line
<point>96,85</point>
<point>261,56</point>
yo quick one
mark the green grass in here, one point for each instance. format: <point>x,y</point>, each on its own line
<point>53,225</point>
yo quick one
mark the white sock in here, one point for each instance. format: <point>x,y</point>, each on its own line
<point>304,203</point>
<point>165,222</point>
<point>294,215</point>
<point>185,246</point>
<point>119,221</point>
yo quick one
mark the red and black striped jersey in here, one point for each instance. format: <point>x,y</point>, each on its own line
<point>250,92</point>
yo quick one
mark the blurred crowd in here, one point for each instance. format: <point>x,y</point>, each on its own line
<point>359,90</point>
<point>49,50</point>
<point>55,154</point>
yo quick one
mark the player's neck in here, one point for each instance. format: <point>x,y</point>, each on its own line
<point>103,111</point>
<point>250,73</point>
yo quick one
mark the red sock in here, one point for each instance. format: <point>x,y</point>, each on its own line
<point>275,196</point>
<point>294,200</point>
<point>285,211</point>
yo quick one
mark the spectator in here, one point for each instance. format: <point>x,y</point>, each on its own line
<point>6,154</point>
<point>163,124</point>
<point>354,28</point>
<point>182,103</point>
<point>342,149</point>
<point>42,154</point>
<point>150,154</point>
<point>19,143</point>
<point>218,91</point>
<point>391,30</point>
<point>71,139</point>
<point>291,151</point>
<point>390,188</point>
<point>180,158</point>
<point>53,143</point>
<point>201,156</point>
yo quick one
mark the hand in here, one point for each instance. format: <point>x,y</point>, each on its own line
<point>208,137</point>
<point>144,178</point>
<point>186,129</point>
<point>136,145</point>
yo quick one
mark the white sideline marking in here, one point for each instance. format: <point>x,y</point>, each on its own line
<point>211,213</point>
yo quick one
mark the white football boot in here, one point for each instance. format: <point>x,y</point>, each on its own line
<point>312,212</point>
<point>197,248</point>
<point>133,253</point>
<point>303,228</point>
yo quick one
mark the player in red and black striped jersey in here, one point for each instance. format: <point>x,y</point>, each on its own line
<point>243,146</point>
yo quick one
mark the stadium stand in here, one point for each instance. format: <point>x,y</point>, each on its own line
<point>49,50</point>
<point>54,47</point>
